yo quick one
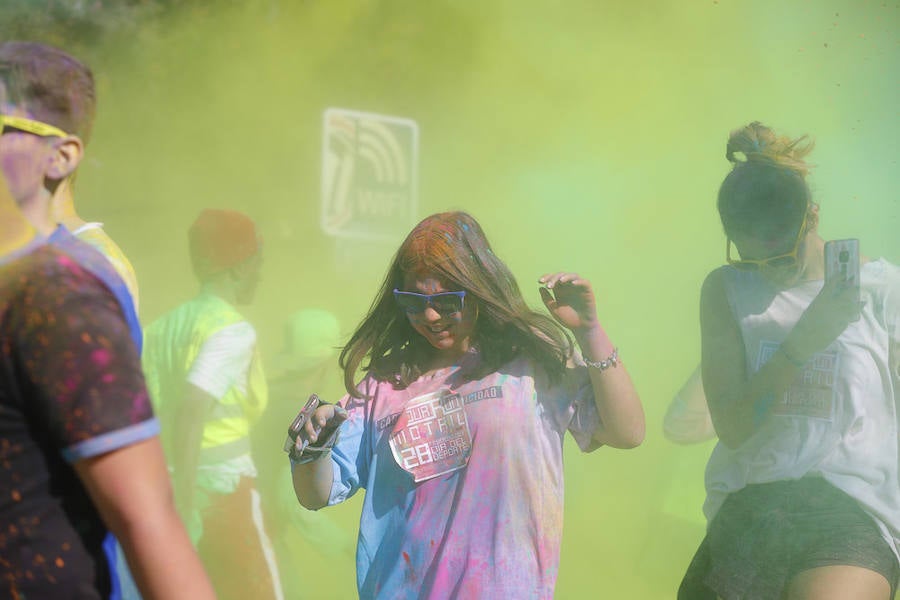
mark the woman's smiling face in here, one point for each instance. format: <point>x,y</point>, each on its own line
<point>449,334</point>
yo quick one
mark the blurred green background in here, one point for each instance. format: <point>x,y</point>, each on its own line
<point>584,135</point>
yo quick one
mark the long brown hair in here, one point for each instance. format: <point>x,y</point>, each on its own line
<point>453,247</point>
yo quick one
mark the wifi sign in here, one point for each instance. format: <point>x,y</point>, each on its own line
<point>369,174</point>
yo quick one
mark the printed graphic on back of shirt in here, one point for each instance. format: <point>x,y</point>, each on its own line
<point>431,436</point>
<point>811,394</point>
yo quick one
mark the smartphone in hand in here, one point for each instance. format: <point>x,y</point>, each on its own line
<point>842,263</point>
<point>299,421</point>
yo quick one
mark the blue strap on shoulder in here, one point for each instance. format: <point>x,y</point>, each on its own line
<point>93,261</point>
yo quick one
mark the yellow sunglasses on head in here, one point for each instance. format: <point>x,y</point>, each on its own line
<point>30,126</point>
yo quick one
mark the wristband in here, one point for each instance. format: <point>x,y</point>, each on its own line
<point>326,437</point>
<point>310,453</point>
<point>603,365</point>
<point>313,453</point>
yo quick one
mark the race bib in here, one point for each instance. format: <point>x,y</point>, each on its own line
<point>431,436</point>
<point>812,393</point>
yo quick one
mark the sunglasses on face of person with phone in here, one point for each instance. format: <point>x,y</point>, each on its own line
<point>444,303</point>
<point>779,261</point>
<point>9,123</point>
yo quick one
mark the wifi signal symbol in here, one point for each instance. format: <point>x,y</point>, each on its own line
<point>369,178</point>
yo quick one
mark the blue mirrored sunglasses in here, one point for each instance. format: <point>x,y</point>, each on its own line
<point>445,303</point>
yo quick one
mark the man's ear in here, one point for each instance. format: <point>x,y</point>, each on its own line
<point>245,267</point>
<point>238,272</point>
<point>66,157</point>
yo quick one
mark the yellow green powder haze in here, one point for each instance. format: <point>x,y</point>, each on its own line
<point>584,135</point>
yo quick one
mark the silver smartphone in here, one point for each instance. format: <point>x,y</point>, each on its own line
<point>299,421</point>
<point>842,262</point>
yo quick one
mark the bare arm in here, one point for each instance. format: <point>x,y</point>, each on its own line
<point>188,431</point>
<point>618,404</point>
<point>130,488</point>
<point>731,395</point>
<point>739,402</point>
<point>313,481</point>
<point>687,419</point>
<point>571,302</point>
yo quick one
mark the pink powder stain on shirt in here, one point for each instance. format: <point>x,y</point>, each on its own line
<point>140,407</point>
<point>101,357</point>
<point>71,384</point>
<point>68,263</point>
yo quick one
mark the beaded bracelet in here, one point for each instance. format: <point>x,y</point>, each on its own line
<point>603,365</point>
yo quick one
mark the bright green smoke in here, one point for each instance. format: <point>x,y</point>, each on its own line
<point>584,136</point>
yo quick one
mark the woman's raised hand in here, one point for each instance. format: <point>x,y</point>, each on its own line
<point>570,299</point>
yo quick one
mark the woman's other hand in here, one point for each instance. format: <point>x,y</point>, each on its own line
<point>570,299</point>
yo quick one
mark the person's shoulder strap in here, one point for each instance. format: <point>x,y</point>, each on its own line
<point>97,265</point>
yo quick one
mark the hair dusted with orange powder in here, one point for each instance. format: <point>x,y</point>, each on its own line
<point>452,247</point>
<point>768,188</point>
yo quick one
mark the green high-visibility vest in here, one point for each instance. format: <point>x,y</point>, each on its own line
<point>171,345</point>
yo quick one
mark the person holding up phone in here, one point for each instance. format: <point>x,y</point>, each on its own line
<point>456,431</point>
<point>803,498</point>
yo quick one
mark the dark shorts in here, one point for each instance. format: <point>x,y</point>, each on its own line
<point>766,534</point>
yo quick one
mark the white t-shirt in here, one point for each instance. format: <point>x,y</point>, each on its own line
<point>839,419</point>
<point>224,361</point>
